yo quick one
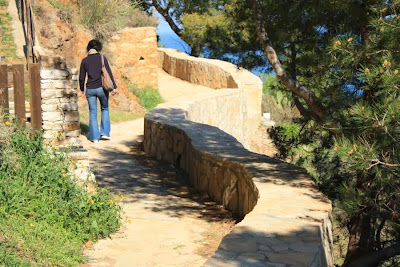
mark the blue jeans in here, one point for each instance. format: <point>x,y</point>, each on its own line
<point>91,96</point>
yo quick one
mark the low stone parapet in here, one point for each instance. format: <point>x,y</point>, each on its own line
<point>219,75</point>
<point>286,219</point>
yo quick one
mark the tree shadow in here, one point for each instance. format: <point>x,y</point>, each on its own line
<point>159,186</point>
<point>248,247</point>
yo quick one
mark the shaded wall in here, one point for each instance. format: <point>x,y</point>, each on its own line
<point>219,75</point>
<point>286,220</point>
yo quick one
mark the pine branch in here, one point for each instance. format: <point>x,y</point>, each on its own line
<point>374,258</point>
<point>167,17</point>
<point>300,90</point>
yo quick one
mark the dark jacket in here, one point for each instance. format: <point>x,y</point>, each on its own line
<point>91,65</point>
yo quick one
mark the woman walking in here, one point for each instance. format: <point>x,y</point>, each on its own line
<point>91,66</point>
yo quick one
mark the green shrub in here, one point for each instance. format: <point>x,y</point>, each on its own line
<point>55,4</point>
<point>45,216</point>
<point>277,100</point>
<point>105,17</point>
<point>149,97</point>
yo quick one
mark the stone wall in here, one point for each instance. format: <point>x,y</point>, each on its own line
<point>135,55</point>
<point>218,74</point>
<point>60,104</point>
<point>60,115</point>
<point>286,220</point>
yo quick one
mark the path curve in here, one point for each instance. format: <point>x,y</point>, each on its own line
<point>164,223</point>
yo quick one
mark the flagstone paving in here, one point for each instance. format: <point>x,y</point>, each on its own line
<point>165,224</point>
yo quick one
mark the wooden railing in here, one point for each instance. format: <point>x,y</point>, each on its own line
<point>19,97</point>
<point>25,11</point>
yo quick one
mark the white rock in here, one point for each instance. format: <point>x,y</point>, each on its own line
<point>54,74</point>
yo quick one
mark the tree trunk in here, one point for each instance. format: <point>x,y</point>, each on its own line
<point>300,90</point>
<point>361,238</point>
<point>373,259</point>
<point>167,17</point>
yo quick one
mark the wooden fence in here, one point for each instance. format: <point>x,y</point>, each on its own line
<point>26,16</point>
<point>19,97</point>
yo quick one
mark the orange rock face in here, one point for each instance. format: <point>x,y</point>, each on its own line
<point>63,42</point>
<point>135,55</point>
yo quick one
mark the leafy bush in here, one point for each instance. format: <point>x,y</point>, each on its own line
<point>149,97</point>
<point>46,216</point>
<point>105,17</point>
<point>278,101</point>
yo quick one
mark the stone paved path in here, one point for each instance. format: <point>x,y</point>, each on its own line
<point>164,225</point>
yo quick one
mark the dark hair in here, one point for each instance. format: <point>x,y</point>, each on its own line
<point>94,44</point>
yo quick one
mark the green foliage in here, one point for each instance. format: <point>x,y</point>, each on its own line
<point>149,97</point>
<point>277,101</point>
<point>355,156</point>
<point>55,4</point>
<point>108,16</point>
<point>7,46</point>
<point>46,216</point>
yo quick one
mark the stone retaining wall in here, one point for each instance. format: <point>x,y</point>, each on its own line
<point>218,74</point>
<point>60,104</point>
<point>60,115</point>
<point>287,221</point>
<point>134,53</point>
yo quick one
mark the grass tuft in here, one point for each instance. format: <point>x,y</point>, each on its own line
<point>108,16</point>
<point>8,49</point>
<point>45,216</point>
<point>149,97</point>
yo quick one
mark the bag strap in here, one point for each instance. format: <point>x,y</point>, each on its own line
<point>102,61</point>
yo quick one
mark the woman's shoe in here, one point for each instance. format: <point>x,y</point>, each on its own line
<point>105,137</point>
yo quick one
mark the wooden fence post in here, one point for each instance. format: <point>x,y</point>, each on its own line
<point>4,89</point>
<point>36,99</point>
<point>19,93</point>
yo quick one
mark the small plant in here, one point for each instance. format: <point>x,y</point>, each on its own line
<point>45,216</point>
<point>38,10</point>
<point>278,101</point>
<point>149,97</point>
<point>8,49</point>
<point>55,4</point>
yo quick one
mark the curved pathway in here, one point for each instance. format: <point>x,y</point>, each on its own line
<point>165,224</point>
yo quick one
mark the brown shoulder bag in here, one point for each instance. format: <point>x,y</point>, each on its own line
<point>106,81</point>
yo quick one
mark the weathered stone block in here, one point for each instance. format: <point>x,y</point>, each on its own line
<point>69,106</point>
<point>54,74</point>
<point>52,116</point>
<point>239,245</point>
<point>72,127</point>
<point>49,107</point>
<point>73,133</point>
<point>71,116</point>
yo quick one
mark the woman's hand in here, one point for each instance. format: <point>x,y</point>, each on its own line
<point>113,92</point>
<point>82,93</point>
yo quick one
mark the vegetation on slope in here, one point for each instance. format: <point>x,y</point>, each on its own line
<point>8,50</point>
<point>339,60</point>
<point>46,216</point>
<point>108,16</point>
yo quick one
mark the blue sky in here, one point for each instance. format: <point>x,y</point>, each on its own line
<point>169,39</point>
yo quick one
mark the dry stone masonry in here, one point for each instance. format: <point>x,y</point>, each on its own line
<point>60,104</point>
<point>219,75</point>
<point>286,220</point>
<point>60,114</point>
<point>135,55</point>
